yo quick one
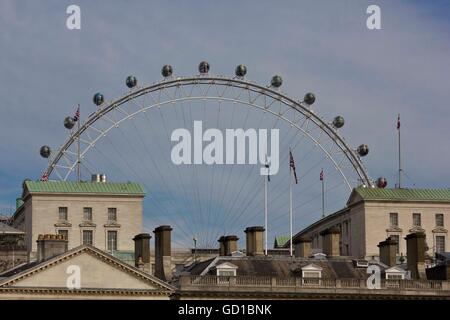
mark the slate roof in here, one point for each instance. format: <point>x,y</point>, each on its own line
<point>283,267</point>
<point>5,229</point>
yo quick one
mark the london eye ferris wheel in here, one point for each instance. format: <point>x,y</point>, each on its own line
<point>129,138</point>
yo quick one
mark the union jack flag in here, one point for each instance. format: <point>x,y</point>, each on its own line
<point>292,165</point>
<point>44,177</point>
<point>76,117</point>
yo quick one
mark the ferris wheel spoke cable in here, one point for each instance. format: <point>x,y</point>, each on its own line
<point>212,181</point>
<point>150,126</point>
<point>231,204</point>
<point>253,198</point>
<point>121,170</point>
<point>194,179</point>
<point>139,178</point>
<point>146,168</point>
<point>283,191</point>
<point>277,227</point>
<point>230,172</point>
<point>176,208</point>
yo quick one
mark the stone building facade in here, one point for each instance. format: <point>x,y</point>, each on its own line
<point>104,214</point>
<point>374,214</point>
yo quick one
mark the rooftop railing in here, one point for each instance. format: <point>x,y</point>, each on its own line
<point>297,284</point>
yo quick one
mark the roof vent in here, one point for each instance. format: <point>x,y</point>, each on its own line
<point>98,177</point>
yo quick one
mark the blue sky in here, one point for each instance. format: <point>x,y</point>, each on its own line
<point>320,46</point>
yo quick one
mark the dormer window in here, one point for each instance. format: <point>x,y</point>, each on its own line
<point>394,273</point>
<point>311,274</point>
<point>226,269</point>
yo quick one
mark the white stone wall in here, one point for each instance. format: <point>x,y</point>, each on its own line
<point>378,224</point>
<point>43,213</point>
<point>369,224</point>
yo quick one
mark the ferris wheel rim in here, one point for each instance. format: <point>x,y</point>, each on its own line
<point>236,82</point>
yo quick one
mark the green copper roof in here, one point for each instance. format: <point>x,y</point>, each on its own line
<point>84,187</point>
<point>281,241</point>
<point>404,194</point>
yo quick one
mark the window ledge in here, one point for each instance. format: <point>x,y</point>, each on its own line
<point>87,224</point>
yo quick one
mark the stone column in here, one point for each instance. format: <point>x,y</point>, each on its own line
<point>230,243</point>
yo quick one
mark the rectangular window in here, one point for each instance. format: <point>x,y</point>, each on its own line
<point>393,219</point>
<point>225,273</point>
<point>394,276</point>
<point>396,237</point>
<point>88,237</point>
<point>87,214</point>
<point>63,213</point>
<point>112,214</point>
<point>440,243</point>
<point>65,233</point>
<point>439,220</point>
<point>112,241</point>
<point>417,222</point>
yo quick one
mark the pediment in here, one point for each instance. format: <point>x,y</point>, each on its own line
<point>395,269</point>
<point>311,267</point>
<point>97,270</point>
<point>226,265</point>
<point>417,229</point>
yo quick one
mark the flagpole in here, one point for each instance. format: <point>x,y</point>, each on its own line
<point>265,214</point>
<point>78,150</point>
<point>323,195</point>
<point>399,155</point>
<point>290,208</point>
